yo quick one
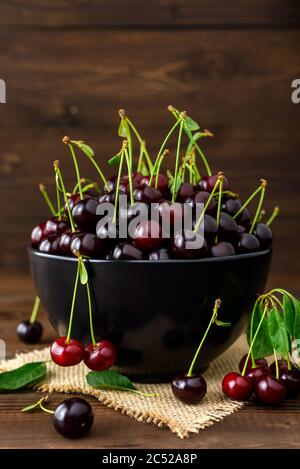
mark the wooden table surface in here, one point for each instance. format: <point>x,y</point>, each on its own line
<point>251,427</point>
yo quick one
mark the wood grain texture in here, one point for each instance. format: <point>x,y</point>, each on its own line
<point>252,427</point>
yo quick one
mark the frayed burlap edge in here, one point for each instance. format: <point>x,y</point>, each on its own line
<point>162,411</point>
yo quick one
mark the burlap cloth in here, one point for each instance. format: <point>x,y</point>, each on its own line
<point>164,410</point>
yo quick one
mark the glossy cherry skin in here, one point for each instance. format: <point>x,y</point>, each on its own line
<point>87,244</point>
<point>161,254</point>
<point>37,235</point>
<point>181,248</point>
<point>291,379</point>
<point>282,365</point>
<point>162,184</point>
<point>207,183</point>
<point>247,243</point>
<point>231,206</point>
<point>264,235</point>
<point>189,389</point>
<point>201,197</point>
<point>270,390</point>
<point>65,353</point>
<point>29,332</point>
<point>50,245</point>
<point>56,226</point>
<point>84,214</point>
<point>185,191</point>
<point>256,373</point>
<point>210,228</point>
<point>244,218</point>
<point>126,251</point>
<point>237,387</point>
<point>227,228</point>
<point>147,235</point>
<point>73,199</point>
<point>65,242</point>
<point>148,195</point>
<point>258,362</point>
<point>73,417</point>
<point>222,249</point>
<point>110,197</point>
<point>101,356</point>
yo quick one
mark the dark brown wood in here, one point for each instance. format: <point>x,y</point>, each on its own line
<point>252,427</point>
<point>164,13</point>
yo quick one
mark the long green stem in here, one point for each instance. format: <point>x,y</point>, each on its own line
<point>206,205</point>
<point>219,205</point>
<point>47,199</point>
<point>129,176</point>
<point>276,364</point>
<point>259,206</point>
<point>73,301</point>
<point>141,141</point>
<point>90,314</point>
<point>248,201</point>
<point>165,153</point>
<point>205,162</point>
<point>251,331</point>
<point>60,180</point>
<point>59,210</point>
<point>99,171</point>
<point>174,192</point>
<point>273,216</point>
<point>212,320</point>
<point>35,310</point>
<point>118,187</point>
<point>76,169</point>
<point>253,340</point>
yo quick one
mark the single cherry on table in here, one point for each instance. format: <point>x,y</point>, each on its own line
<point>29,332</point>
<point>73,417</point>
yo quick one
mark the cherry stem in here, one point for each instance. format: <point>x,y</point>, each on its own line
<point>118,184</point>
<point>59,209</point>
<point>174,192</point>
<point>259,206</point>
<point>60,179</point>
<point>90,314</point>
<point>39,404</point>
<point>142,143</point>
<point>253,340</point>
<point>212,320</point>
<point>73,300</point>
<point>273,216</point>
<point>165,153</point>
<point>288,362</point>
<point>276,364</point>
<point>99,171</point>
<point>35,310</point>
<point>44,192</point>
<point>122,388</point>
<point>129,175</point>
<point>251,331</point>
<point>207,204</point>
<point>219,204</point>
<point>44,409</point>
<point>259,188</point>
<point>162,149</point>
<point>76,169</point>
<point>207,167</point>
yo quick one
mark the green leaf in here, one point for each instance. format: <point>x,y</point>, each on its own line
<point>289,314</point>
<point>123,130</point>
<point>25,376</point>
<point>115,160</point>
<point>278,333</point>
<point>84,147</point>
<point>262,346</point>
<point>297,318</point>
<point>218,322</point>
<point>190,124</point>
<point>109,379</point>
<point>83,272</point>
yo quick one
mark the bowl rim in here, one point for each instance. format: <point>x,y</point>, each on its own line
<point>204,260</point>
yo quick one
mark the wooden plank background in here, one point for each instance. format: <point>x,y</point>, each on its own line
<point>68,68</point>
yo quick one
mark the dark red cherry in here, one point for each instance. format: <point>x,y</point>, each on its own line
<point>291,379</point>
<point>264,235</point>
<point>50,245</point>
<point>161,254</point>
<point>111,181</point>
<point>270,390</point>
<point>210,228</point>
<point>256,373</point>
<point>231,206</point>
<point>29,332</point>
<point>137,177</point>
<point>148,195</point>
<point>162,184</point>
<point>73,199</point>
<point>222,249</point>
<point>241,229</point>
<point>109,197</point>
<point>237,387</point>
<point>65,353</point>
<point>87,244</point>
<point>126,251</point>
<point>189,389</point>
<point>84,214</point>
<point>247,243</point>
<point>65,242</point>
<point>101,356</point>
<point>73,417</point>
<point>227,228</point>
<point>187,244</point>
<point>147,235</point>
<point>258,362</point>
<point>56,226</point>
<point>282,365</point>
<point>37,235</point>
<point>244,218</point>
<point>201,197</point>
<point>185,191</point>
<point>207,183</point>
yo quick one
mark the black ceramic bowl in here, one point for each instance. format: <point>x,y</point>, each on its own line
<point>155,312</point>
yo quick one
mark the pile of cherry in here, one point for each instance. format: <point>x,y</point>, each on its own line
<point>229,228</point>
